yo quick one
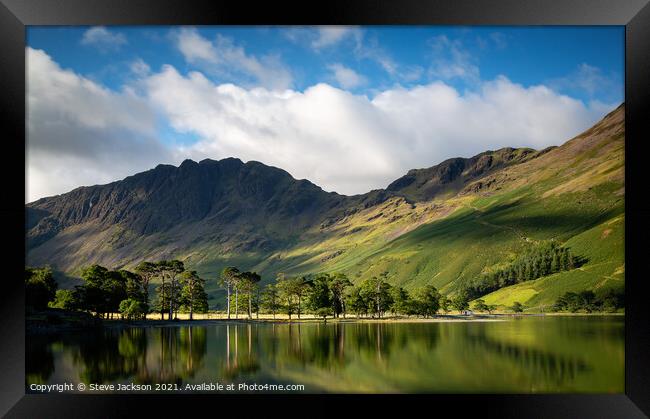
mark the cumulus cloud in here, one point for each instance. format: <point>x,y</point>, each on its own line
<point>224,58</point>
<point>80,133</point>
<point>103,39</point>
<point>346,77</point>
<point>350,143</point>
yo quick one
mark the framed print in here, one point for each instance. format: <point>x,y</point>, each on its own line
<point>428,203</point>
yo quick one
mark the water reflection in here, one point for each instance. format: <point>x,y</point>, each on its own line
<point>39,360</point>
<point>540,364</point>
<point>237,365</point>
<point>171,354</point>
<point>533,355</point>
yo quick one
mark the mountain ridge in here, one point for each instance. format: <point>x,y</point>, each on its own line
<point>120,201</point>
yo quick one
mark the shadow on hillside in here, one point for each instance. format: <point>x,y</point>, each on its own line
<point>579,260</point>
<point>567,222</point>
<point>476,225</point>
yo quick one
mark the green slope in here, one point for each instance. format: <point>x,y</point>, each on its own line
<point>489,232</point>
<point>603,245</point>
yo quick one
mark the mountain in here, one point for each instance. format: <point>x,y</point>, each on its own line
<point>442,225</point>
<point>451,175</point>
<point>154,214</point>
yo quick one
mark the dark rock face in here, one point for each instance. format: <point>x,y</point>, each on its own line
<point>220,193</point>
<point>452,174</point>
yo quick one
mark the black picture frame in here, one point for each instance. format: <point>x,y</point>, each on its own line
<point>15,15</point>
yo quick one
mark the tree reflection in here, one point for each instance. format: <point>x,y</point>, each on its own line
<point>542,366</point>
<point>244,363</point>
<point>531,355</point>
<point>39,360</point>
<point>99,358</point>
<point>147,356</point>
<point>179,354</point>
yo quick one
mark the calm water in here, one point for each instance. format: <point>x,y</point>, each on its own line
<point>553,354</point>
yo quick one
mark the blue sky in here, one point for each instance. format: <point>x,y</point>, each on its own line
<point>526,55</point>
<point>274,94</point>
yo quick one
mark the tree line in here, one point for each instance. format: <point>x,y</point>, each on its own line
<point>541,259</point>
<point>330,294</point>
<point>105,291</point>
<point>587,301</point>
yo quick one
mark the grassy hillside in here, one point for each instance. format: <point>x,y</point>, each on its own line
<point>602,245</point>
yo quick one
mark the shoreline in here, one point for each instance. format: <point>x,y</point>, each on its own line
<point>40,328</point>
<point>349,320</point>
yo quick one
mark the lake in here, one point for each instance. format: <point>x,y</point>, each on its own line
<point>568,354</point>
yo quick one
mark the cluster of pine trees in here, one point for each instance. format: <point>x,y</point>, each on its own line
<point>105,291</point>
<point>325,294</point>
<point>587,301</point>
<point>539,260</point>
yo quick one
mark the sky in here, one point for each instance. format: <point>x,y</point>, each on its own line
<point>349,108</point>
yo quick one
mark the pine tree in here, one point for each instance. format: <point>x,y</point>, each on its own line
<point>555,263</point>
<point>564,260</point>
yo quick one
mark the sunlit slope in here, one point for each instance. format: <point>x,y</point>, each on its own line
<point>573,194</point>
<point>603,245</point>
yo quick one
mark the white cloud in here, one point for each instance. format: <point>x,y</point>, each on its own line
<point>368,48</point>
<point>80,133</point>
<point>451,60</point>
<point>380,57</point>
<point>223,58</point>
<point>103,39</point>
<point>412,73</point>
<point>328,36</point>
<point>351,144</point>
<point>195,48</point>
<point>324,39</point>
<point>346,77</point>
<point>139,67</point>
<point>590,80</point>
